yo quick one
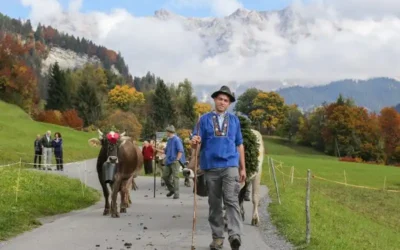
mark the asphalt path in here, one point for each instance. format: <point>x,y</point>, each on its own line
<point>150,223</point>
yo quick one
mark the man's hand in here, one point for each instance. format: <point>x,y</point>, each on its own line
<point>196,140</point>
<point>242,175</point>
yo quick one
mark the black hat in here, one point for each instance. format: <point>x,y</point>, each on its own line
<point>224,90</point>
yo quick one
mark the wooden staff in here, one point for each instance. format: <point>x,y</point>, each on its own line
<point>195,185</point>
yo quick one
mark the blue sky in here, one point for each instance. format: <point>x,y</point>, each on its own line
<point>15,9</point>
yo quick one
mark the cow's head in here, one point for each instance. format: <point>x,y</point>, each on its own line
<point>109,143</point>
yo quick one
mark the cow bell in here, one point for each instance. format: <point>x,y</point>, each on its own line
<point>109,170</point>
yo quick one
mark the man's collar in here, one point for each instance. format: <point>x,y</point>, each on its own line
<point>223,114</point>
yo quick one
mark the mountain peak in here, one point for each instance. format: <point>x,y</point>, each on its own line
<point>163,14</point>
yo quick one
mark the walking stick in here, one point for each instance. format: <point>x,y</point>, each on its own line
<point>195,186</point>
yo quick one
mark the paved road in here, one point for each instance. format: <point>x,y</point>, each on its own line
<point>151,223</point>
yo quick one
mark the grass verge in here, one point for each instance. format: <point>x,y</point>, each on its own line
<point>39,195</point>
<point>342,217</point>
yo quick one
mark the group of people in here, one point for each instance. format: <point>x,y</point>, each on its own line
<point>45,146</point>
<point>222,159</point>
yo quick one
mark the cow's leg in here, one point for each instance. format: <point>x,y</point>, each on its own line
<point>256,199</point>
<point>106,195</point>
<point>124,195</point>
<point>242,195</point>
<point>114,195</point>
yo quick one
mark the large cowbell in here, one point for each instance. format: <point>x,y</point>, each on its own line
<point>109,169</point>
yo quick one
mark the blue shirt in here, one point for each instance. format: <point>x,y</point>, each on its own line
<point>220,137</point>
<point>174,145</point>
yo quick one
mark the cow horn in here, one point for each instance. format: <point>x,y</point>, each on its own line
<point>123,134</point>
<point>100,133</point>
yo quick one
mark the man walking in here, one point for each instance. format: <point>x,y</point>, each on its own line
<point>175,155</point>
<point>47,145</point>
<point>221,151</point>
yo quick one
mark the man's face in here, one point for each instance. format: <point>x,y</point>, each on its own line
<point>222,103</point>
<point>48,133</point>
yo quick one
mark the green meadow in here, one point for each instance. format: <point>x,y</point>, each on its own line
<point>342,217</point>
<point>28,195</point>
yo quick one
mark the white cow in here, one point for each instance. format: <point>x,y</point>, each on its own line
<point>255,180</point>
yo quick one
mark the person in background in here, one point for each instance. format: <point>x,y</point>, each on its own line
<point>47,149</point>
<point>58,151</point>
<point>148,154</point>
<point>175,156</point>
<point>38,151</point>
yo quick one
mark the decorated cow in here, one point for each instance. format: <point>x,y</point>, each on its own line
<point>119,162</point>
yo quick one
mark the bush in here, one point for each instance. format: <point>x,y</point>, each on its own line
<point>72,119</point>
<point>50,116</point>
<point>351,159</point>
<point>183,133</point>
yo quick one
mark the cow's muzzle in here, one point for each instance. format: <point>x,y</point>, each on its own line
<point>113,159</point>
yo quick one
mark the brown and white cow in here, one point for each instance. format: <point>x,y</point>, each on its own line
<point>122,151</point>
<point>254,180</point>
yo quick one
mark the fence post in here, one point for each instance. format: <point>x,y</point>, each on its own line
<point>384,183</point>
<point>18,178</point>
<point>269,169</point>
<point>292,176</point>
<point>276,182</point>
<point>308,216</point>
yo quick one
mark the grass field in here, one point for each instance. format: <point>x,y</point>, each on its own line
<point>18,132</point>
<point>39,193</point>
<point>342,217</point>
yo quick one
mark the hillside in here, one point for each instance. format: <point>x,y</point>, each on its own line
<point>373,94</point>
<point>48,45</point>
<point>342,217</point>
<point>18,132</point>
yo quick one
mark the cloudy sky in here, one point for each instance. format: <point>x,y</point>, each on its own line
<point>367,46</point>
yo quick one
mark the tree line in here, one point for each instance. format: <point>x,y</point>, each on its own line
<point>341,128</point>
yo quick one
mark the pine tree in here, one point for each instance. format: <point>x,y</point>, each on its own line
<point>88,104</point>
<point>163,110</point>
<point>59,97</point>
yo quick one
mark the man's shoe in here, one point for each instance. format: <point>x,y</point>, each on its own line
<point>176,196</point>
<point>217,244</point>
<point>235,242</point>
<point>170,193</point>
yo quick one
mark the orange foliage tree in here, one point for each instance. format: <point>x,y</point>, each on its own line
<point>389,121</point>
<point>18,82</point>
<point>123,97</point>
<point>72,119</point>
<point>51,116</point>
<point>202,107</point>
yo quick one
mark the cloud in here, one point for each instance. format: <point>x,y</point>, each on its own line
<point>217,7</point>
<point>331,42</point>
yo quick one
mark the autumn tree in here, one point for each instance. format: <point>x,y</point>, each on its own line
<point>18,82</point>
<point>59,97</point>
<point>123,121</point>
<point>202,108</point>
<point>389,121</point>
<point>269,109</point>
<point>124,97</point>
